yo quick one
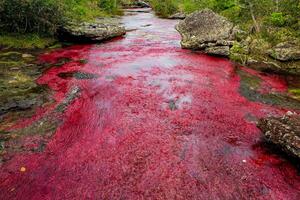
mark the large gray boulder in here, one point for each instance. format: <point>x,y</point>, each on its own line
<point>283,131</point>
<point>286,51</point>
<point>97,31</point>
<point>206,29</point>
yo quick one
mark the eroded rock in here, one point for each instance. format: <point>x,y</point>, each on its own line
<point>218,50</point>
<point>206,30</point>
<point>283,131</point>
<point>177,16</point>
<point>286,51</point>
<point>100,30</point>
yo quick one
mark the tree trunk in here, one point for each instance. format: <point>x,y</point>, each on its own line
<point>256,25</point>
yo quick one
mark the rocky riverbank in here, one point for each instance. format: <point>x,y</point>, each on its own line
<point>213,34</point>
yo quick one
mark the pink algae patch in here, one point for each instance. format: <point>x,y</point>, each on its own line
<point>158,122</point>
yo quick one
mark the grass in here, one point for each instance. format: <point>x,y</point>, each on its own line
<point>295,93</point>
<point>26,41</point>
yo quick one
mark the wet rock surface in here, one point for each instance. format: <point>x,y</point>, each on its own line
<point>252,88</point>
<point>21,96</point>
<point>283,131</point>
<point>18,90</point>
<point>206,30</point>
<point>100,30</point>
<point>78,75</point>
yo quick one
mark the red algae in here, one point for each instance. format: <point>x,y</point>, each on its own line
<point>157,122</point>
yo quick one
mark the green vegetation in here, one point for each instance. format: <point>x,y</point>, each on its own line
<point>165,8</point>
<point>30,23</point>
<point>274,20</point>
<point>27,41</point>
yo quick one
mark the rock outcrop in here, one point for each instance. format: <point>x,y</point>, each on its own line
<point>101,29</point>
<point>286,51</point>
<point>283,131</point>
<point>208,31</point>
<point>260,55</point>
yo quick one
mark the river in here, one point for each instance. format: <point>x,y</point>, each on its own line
<point>144,119</point>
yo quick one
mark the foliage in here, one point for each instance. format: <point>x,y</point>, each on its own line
<point>110,6</point>
<point>28,16</point>
<point>164,8</point>
<point>277,19</point>
<point>45,16</point>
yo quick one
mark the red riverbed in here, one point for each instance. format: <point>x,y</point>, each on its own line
<point>157,122</point>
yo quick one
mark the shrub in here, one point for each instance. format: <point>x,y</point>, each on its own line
<point>28,16</point>
<point>109,6</point>
<point>278,19</point>
<point>164,8</point>
<point>45,16</point>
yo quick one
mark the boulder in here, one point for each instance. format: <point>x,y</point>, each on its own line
<point>206,29</point>
<point>101,29</point>
<point>283,132</point>
<point>285,51</point>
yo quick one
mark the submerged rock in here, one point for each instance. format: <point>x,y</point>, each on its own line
<point>18,88</point>
<point>206,30</point>
<point>285,51</point>
<point>283,131</point>
<point>101,29</point>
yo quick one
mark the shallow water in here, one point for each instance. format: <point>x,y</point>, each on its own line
<point>150,121</point>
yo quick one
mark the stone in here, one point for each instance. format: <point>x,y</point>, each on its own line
<point>178,15</point>
<point>97,31</point>
<point>283,132</point>
<point>286,51</point>
<point>26,55</point>
<point>274,66</point>
<point>218,50</point>
<point>206,29</point>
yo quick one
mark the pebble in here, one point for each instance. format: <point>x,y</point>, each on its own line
<point>25,55</point>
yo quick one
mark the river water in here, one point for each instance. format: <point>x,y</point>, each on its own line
<point>145,119</point>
